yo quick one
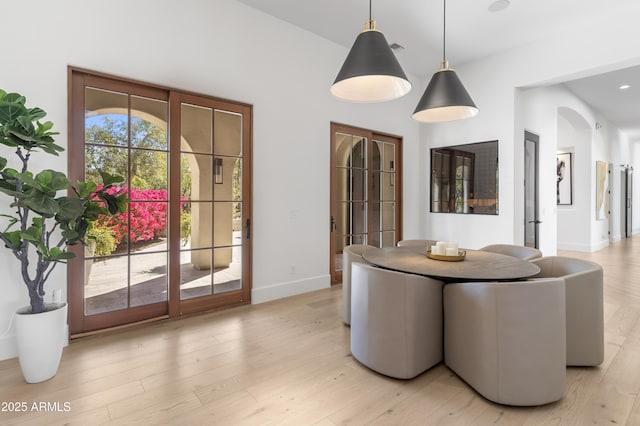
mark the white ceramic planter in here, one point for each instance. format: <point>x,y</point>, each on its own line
<point>40,339</point>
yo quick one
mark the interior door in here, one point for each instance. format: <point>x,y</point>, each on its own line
<point>366,205</point>
<point>531,218</point>
<point>626,201</point>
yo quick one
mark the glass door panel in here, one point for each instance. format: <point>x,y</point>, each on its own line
<point>364,192</point>
<point>351,174</point>
<point>126,264</point>
<point>211,227</point>
<point>228,202</point>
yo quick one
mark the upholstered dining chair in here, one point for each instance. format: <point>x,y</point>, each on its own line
<point>417,243</point>
<point>507,339</point>
<point>396,321</point>
<point>350,254</point>
<point>585,306</point>
<point>521,252</point>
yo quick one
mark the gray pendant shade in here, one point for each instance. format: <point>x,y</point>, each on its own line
<point>371,72</point>
<point>445,99</point>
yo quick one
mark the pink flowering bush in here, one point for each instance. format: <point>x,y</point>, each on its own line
<point>148,217</point>
<point>147,211</point>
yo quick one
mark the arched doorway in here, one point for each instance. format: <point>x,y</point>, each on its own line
<point>574,217</point>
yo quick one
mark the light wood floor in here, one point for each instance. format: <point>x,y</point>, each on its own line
<point>288,362</point>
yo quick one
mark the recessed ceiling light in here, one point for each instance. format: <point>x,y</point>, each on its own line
<point>499,5</point>
<point>624,87</point>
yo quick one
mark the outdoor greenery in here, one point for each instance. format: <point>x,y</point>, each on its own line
<point>40,218</point>
<point>138,149</point>
<point>107,140</point>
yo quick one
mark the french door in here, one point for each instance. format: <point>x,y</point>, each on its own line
<point>366,191</point>
<point>183,244</point>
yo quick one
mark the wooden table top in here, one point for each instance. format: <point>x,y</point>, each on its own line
<point>477,266</point>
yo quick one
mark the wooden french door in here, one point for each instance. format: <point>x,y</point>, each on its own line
<point>366,191</point>
<point>184,243</point>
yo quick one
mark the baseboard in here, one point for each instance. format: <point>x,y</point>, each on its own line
<point>599,246</point>
<point>574,247</point>
<point>8,347</point>
<point>587,248</point>
<point>290,288</point>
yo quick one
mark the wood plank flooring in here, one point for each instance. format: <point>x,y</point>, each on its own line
<point>288,362</point>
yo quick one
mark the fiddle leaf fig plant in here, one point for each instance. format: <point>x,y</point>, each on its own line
<point>49,213</point>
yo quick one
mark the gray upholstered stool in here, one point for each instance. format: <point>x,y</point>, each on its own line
<point>507,339</point>
<point>396,321</point>
<point>521,252</point>
<point>350,254</point>
<point>585,306</point>
<point>417,243</point>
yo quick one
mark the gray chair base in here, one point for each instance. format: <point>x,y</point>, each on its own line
<point>396,321</point>
<point>585,306</point>
<point>507,340</point>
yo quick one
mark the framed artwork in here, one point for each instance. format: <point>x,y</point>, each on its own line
<point>564,179</point>
<point>602,189</point>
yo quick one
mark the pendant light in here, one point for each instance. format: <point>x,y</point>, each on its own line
<point>445,99</point>
<point>371,72</point>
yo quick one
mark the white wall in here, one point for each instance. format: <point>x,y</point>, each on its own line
<point>225,49</point>
<point>566,124</point>
<point>573,220</point>
<point>493,82</point>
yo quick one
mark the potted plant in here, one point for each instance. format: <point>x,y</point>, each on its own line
<point>46,215</point>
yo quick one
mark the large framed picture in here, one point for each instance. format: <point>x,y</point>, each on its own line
<point>564,184</point>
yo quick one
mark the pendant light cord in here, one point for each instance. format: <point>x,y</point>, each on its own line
<point>370,10</point>
<point>444,31</point>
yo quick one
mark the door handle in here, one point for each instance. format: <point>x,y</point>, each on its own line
<point>248,228</point>
<point>535,221</point>
<point>333,223</point>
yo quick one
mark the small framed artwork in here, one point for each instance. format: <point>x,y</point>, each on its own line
<point>564,184</point>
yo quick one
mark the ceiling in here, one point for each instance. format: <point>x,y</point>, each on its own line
<point>472,32</point>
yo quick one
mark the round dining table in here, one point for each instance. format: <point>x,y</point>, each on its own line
<point>477,265</point>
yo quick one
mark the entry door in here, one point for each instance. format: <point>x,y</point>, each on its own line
<point>183,244</point>
<point>627,198</point>
<point>531,218</point>
<point>366,188</point>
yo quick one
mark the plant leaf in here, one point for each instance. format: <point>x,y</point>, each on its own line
<point>14,238</point>
<point>56,255</point>
<point>86,188</point>
<point>70,208</point>
<point>41,203</point>
<point>109,179</point>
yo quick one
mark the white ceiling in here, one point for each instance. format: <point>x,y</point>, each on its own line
<point>472,32</point>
